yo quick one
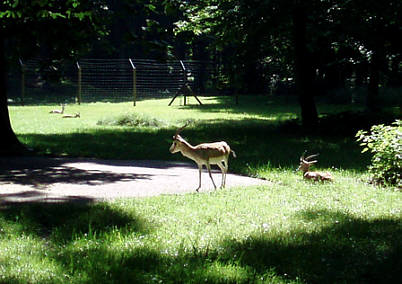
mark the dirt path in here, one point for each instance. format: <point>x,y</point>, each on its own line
<point>40,179</point>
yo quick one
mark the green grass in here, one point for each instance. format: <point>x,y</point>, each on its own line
<point>250,128</point>
<point>291,231</point>
<point>285,233</point>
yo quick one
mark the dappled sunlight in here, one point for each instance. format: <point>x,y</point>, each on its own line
<point>344,247</point>
<point>282,233</point>
<point>59,242</point>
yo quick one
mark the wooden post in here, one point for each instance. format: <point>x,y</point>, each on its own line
<point>134,70</point>
<point>79,83</point>
<point>184,80</point>
<point>185,89</point>
<point>22,81</point>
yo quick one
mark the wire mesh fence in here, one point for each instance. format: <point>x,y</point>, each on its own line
<point>41,81</point>
<point>114,80</point>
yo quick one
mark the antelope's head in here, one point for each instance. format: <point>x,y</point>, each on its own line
<point>305,163</point>
<point>177,141</point>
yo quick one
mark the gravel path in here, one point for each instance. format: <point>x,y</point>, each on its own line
<point>41,179</point>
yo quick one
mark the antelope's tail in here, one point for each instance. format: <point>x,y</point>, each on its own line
<point>233,153</point>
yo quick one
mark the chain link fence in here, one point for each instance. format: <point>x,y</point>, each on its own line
<point>39,81</point>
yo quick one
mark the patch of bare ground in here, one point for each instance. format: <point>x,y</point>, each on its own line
<point>43,179</point>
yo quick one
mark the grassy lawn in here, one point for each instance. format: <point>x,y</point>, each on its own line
<point>291,231</point>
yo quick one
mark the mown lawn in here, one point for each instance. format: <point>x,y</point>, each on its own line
<point>291,231</point>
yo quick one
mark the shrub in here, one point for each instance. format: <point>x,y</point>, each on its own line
<point>133,120</point>
<point>384,141</point>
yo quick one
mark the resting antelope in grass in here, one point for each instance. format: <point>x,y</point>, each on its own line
<point>60,111</point>
<point>305,165</point>
<point>76,115</point>
<point>207,154</point>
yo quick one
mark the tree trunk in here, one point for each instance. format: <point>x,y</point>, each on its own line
<point>372,90</point>
<point>10,144</point>
<point>200,53</point>
<point>304,73</point>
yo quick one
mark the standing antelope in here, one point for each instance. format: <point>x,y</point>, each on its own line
<point>307,174</point>
<point>58,110</point>
<point>207,154</point>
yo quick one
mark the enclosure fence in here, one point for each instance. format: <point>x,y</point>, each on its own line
<point>92,80</point>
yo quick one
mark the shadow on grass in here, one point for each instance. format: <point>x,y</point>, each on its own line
<point>63,222</point>
<point>256,143</point>
<point>59,226</point>
<point>346,250</point>
<point>264,106</point>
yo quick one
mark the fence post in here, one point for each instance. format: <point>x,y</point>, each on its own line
<point>134,70</point>
<point>79,83</point>
<point>184,79</point>
<point>22,81</point>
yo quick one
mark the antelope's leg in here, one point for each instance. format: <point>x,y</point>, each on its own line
<point>199,177</point>
<point>226,164</point>
<point>223,170</point>
<point>209,172</point>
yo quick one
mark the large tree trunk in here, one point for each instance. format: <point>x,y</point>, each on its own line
<point>10,145</point>
<point>304,73</point>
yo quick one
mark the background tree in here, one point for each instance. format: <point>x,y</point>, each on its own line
<point>57,29</point>
<point>372,29</point>
<point>310,47</point>
<point>318,44</point>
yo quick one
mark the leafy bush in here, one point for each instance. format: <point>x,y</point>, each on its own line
<point>384,141</point>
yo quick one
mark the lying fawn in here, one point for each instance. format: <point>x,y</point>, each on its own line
<point>59,111</point>
<point>207,154</point>
<point>305,165</point>
<point>76,115</point>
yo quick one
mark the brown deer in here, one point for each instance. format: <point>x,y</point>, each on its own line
<point>207,154</point>
<point>305,165</point>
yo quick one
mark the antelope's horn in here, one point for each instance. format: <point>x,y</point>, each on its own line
<point>311,156</point>
<point>181,129</point>
<point>302,156</point>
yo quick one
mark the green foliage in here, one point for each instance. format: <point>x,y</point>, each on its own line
<point>384,141</point>
<point>24,23</point>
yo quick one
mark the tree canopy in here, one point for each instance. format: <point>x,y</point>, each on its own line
<point>311,47</point>
<point>52,29</point>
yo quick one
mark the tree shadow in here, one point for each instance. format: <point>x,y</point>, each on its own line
<point>62,222</point>
<point>260,106</point>
<point>31,196</point>
<point>256,143</point>
<point>41,172</point>
<point>334,120</point>
<point>347,250</point>
<point>58,226</point>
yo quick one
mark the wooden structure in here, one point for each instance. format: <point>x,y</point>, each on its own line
<point>185,89</point>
